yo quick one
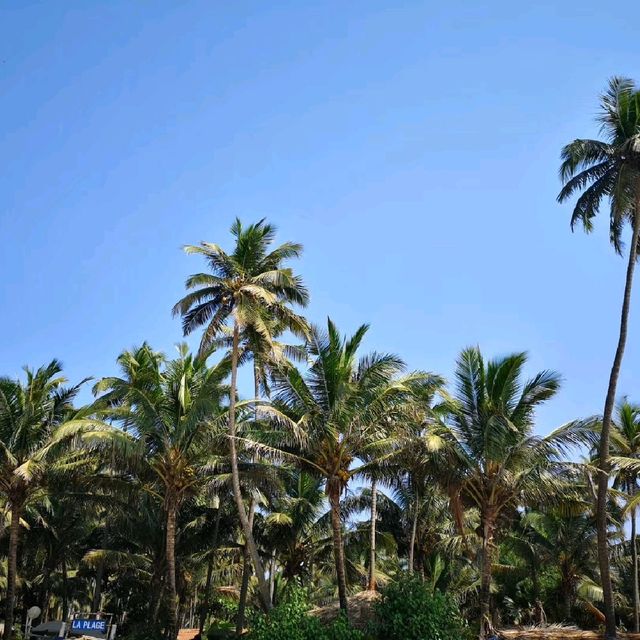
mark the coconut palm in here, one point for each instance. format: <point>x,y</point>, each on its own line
<point>249,289</point>
<point>341,407</point>
<point>266,356</point>
<point>496,461</point>
<point>294,525</point>
<point>411,441</point>
<point>599,169</point>
<point>168,408</point>
<point>415,460</point>
<point>626,446</point>
<point>625,461</point>
<point>38,427</point>
<point>565,540</point>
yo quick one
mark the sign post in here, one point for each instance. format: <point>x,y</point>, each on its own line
<point>93,625</point>
<point>79,625</point>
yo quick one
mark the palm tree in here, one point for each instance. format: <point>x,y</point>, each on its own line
<point>37,428</point>
<point>415,458</point>
<point>340,408</point>
<point>266,356</point>
<point>250,289</point>
<point>294,525</point>
<point>565,540</point>
<point>168,408</point>
<point>626,446</point>
<point>597,169</point>
<point>496,461</point>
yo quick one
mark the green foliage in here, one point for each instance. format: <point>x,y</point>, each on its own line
<point>143,633</point>
<point>291,621</point>
<point>340,629</point>
<point>224,609</point>
<point>220,631</point>
<point>409,610</point>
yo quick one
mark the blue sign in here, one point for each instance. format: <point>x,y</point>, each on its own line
<point>82,624</point>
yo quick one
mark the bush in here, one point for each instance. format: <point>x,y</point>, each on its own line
<point>290,620</point>
<point>224,608</point>
<point>221,631</point>
<point>340,629</point>
<point>143,634</point>
<point>410,610</point>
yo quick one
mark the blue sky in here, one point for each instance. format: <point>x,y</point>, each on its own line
<point>411,146</point>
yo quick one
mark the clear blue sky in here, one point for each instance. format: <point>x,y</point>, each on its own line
<point>411,146</point>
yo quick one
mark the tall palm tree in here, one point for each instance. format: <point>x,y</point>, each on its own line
<point>168,408</point>
<point>496,461</point>
<point>249,289</point>
<point>626,446</point>
<point>415,459</point>
<point>38,425</point>
<point>266,356</point>
<point>598,169</point>
<point>340,408</point>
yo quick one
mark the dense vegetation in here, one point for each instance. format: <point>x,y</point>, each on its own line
<point>175,500</point>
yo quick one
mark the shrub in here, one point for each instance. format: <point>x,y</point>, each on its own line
<point>340,629</point>
<point>221,631</point>
<point>290,620</point>
<point>143,633</point>
<point>410,610</point>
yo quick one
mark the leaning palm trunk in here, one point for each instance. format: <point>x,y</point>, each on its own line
<point>235,476</point>
<point>12,562</point>
<point>338,549</point>
<point>244,591</point>
<point>246,558</point>
<point>374,515</point>
<point>605,436</point>
<point>207,588</point>
<point>634,560</point>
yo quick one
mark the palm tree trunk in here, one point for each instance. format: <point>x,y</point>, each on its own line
<point>246,559</point>
<point>603,452</point>
<point>65,588</point>
<point>207,588</point>
<point>634,559</point>
<point>412,540</point>
<point>97,592</point>
<point>338,549</point>
<point>12,562</point>
<point>272,578</point>
<point>235,476</point>
<point>568,605</point>
<point>155,599</point>
<point>485,577</point>
<point>374,517</point>
<point>537,603</point>
<point>44,590</point>
<point>204,609</point>
<point>246,574</point>
<point>172,622</point>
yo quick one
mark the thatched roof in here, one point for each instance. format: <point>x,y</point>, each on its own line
<point>558,632</point>
<point>360,609</point>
